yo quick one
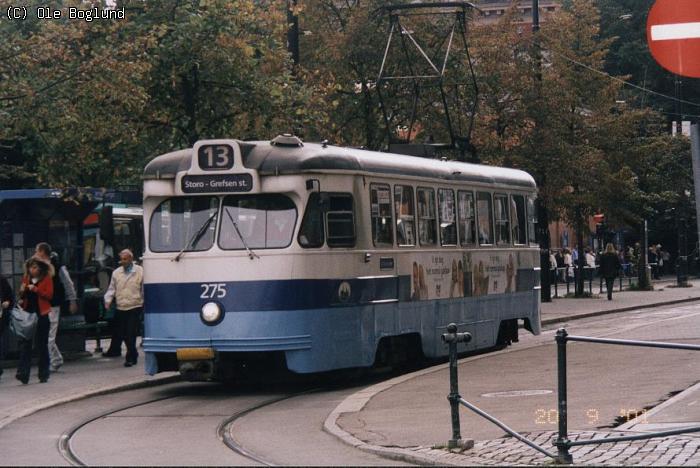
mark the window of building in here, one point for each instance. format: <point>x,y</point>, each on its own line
<point>448,223</point>
<point>381,216</point>
<point>502,219</point>
<point>427,223</point>
<point>467,218</point>
<point>519,226</point>
<point>484,212</point>
<point>405,216</point>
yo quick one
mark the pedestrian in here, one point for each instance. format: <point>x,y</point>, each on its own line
<point>609,268</point>
<point>559,256</point>
<point>63,292</point>
<point>7,301</point>
<point>653,262</point>
<point>552,267</point>
<point>126,287</point>
<point>569,265</point>
<point>35,294</point>
<point>590,263</point>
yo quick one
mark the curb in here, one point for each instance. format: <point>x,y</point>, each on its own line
<point>614,311</point>
<point>97,391</point>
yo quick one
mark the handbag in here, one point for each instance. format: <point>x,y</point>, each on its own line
<point>23,323</point>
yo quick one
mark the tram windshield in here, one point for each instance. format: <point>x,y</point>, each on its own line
<point>177,222</point>
<point>261,222</point>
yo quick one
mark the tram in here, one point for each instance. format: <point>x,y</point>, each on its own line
<point>317,257</point>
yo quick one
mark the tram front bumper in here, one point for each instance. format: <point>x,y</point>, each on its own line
<point>196,364</point>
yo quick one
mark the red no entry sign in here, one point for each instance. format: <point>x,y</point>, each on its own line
<point>673,34</point>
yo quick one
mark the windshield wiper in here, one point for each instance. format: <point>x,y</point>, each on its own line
<point>195,238</point>
<point>251,254</point>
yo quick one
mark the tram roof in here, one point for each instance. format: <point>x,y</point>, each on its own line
<point>270,159</point>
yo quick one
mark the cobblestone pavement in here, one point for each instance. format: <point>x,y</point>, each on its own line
<point>669,451</point>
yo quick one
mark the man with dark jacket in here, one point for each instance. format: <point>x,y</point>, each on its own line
<point>609,268</point>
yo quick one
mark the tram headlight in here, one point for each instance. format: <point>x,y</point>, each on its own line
<point>211,313</point>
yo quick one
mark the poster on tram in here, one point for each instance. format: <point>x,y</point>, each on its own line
<point>451,275</point>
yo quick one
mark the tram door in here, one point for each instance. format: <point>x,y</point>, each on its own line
<point>385,282</point>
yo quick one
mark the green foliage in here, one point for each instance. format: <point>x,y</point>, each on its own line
<point>90,102</point>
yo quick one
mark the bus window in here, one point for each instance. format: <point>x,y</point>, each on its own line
<point>467,224</point>
<point>502,220</point>
<point>484,212</point>
<point>340,221</point>
<point>176,223</point>
<point>517,209</point>
<point>311,231</point>
<point>448,226</point>
<point>532,221</point>
<point>405,216</point>
<point>262,222</point>
<point>426,216</point>
<point>382,219</point>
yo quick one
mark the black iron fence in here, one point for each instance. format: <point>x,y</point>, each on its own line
<point>562,442</point>
<point>564,278</point>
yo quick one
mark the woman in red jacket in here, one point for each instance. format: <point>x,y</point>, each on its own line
<point>36,293</point>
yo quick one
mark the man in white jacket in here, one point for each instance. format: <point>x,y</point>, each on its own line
<point>126,286</point>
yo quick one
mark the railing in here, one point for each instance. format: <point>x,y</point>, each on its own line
<point>563,443</point>
<point>452,338</point>
<point>559,277</point>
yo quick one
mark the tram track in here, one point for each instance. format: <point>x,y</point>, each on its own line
<point>67,451</point>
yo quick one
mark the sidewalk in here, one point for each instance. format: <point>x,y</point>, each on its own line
<point>75,380</point>
<point>375,419</point>
<point>97,375</point>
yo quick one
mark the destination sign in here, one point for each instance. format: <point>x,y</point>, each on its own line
<point>217,183</point>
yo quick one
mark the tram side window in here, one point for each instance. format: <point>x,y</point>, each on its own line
<point>184,223</point>
<point>259,221</point>
<point>467,221</point>
<point>311,231</point>
<point>405,215</point>
<point>532,220</point>
<point>517,209</point>
<point>340,221</point>
<point>502,220</point>
<point>427,222</point>
<point>382,219</point>
<point>484,212</point>
<point>448,226</point>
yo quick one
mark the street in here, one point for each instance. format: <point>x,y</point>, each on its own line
<point>196,424</point>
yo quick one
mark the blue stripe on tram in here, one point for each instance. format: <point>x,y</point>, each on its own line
<point>275,294</point>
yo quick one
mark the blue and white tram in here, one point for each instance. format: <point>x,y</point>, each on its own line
<point>323,258</point>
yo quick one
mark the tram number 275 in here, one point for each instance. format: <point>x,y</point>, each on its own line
<point>213,290</point>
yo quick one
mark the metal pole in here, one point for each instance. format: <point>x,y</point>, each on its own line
<point>695,151</point>
<point>454,390</point>
<point>452,338</point>
<point>562,442</point>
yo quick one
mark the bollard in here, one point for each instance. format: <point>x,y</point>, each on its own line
<point>452,338</point>
<point>562,442</point>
